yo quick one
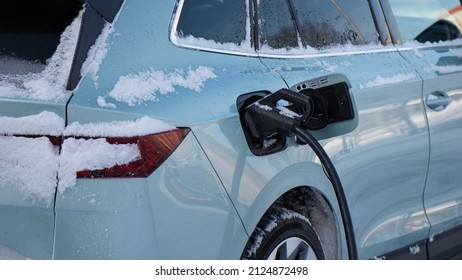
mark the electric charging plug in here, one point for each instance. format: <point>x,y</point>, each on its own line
<point>267,116</point>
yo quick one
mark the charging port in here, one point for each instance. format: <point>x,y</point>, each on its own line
<point>332,104</point>
<point>269,118</point>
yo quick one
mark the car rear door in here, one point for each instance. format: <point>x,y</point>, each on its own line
<point>43,50</point>
<point>36,52</point>
<point>432,35</point>
<point>382,154</point>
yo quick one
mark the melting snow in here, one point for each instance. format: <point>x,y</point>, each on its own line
<point>261,106</point>
<point>50,84</point>
<point>202,43</point>
<point>381,81</point>
<point>414,250</point>
<point>329,67</point>
<point>326,51</point>
<point>134,89</point>
<point>287,112</point>
<point>416,44</point>
<point>346,63</point>
<point>443,69</point>
<point>104,104</point>
<point>191,41</point>
<point>457,52</point>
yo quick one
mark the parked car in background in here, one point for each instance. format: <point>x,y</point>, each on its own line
<point>124,130</point>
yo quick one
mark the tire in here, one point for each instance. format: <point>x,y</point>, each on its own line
<point>283,234</point>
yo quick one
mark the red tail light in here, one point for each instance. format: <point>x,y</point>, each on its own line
<point>154,150</point>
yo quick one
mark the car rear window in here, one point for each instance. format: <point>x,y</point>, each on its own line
<point>273,25</point>
<point>315,23</point>
<point>30,32</point>
<point>221,21</point>
<point>428,20</point>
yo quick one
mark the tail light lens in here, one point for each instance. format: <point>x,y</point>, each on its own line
<point>154,150</point>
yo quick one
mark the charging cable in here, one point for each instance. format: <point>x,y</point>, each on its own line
<point>266,117</point>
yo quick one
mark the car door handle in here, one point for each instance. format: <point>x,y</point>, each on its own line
<point>438,100</point>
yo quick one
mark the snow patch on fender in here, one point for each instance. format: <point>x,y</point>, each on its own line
<point>135,89</point>
<point>104,104</point>
<point>381,81</point>
<point>447,69</point>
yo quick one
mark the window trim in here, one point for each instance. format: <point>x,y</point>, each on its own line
<point>174,39</point>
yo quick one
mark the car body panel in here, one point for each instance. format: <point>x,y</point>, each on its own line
<point>182,107</point>
<point>216,101</point>
<point>130,56</point>
<point>253,182</point>
<point>235,75</point>
<point>383,162</point>
<point>440,68</point>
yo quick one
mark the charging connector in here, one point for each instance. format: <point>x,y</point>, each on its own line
<point>267,116</point>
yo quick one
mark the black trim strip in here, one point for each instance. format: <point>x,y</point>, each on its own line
<point>108,9</point>
<point>416,251</point>
<point>446,245</point>
<point>97,13</point>
<point>92,25</point>
<point>443,246</point>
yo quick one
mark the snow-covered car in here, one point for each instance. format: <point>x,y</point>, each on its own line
<point>230,129</point>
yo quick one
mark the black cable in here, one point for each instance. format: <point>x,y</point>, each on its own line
<point>306,137</point>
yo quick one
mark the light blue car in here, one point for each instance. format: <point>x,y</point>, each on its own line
<point>230,129</point>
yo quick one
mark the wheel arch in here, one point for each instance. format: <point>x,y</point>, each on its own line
<point>304,188</point>
<point>311,203</point>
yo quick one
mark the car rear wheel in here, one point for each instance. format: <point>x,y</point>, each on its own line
<point>284,234</point>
